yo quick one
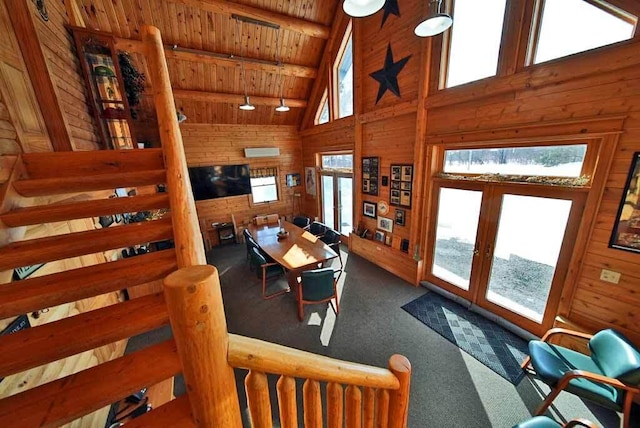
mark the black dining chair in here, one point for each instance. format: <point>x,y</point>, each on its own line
<point>267,271</point>
<point>317,228</point>
<point>332,239</point>
<point>302,221</point>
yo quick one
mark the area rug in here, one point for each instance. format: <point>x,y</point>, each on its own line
<point>486,341</point>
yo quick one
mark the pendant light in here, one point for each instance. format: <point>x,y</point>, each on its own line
<point>282,107</point>
<point>436,21</point>
<point>246,106</point>
<point>361,8</point>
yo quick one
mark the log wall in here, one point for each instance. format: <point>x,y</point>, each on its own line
<point>207,145</point>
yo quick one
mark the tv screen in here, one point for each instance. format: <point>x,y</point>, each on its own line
<point>209,182</point>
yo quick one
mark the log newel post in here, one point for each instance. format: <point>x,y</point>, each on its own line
<point>199,328</point>
<point>186,228</point>
<point>399,398</point>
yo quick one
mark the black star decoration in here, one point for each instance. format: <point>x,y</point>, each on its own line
<point>388,75</point>
<point>390,6</point>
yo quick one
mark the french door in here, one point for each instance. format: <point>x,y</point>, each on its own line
<point>504,247</point>
<point>337,201</point>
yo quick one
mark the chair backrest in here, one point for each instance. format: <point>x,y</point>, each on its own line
<point>301,221</point>
<point>317,284</point>
<point>247,235</point>
<point>257,257</point>
<point>330,237</point>
<point>616,356</point>
<point>317,228</point>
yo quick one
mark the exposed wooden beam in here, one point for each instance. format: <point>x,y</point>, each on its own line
<point>228,8</point>
<point>216,97</point>
<point>215,58</point>
<point>45,90</point>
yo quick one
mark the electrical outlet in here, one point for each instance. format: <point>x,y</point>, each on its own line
<point>610,276</point>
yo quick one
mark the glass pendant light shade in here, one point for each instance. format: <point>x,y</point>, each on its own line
<point>282,107</point>
<point>247,106</point>
<point>435,23</point>
<point>362,8</point>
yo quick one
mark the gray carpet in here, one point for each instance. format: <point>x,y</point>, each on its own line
<point>449,388</point>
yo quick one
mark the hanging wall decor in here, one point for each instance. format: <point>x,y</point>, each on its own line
<point>370,175</point>
<point>626,228</point>
<point>401,185</point>
<point>387,76</point>
<point>390,7</point>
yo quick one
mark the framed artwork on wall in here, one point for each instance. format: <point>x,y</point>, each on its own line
<point>310,180</point>
<point>626,228</point>
<point>401,185</point>
<point>293,180</point>
<point>379,236</point>
<point>370,169</point>
<point>369,209</point>
<point>385,224</point>
<point>399,217</point>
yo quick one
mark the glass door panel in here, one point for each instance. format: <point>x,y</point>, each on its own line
<point>345,205</point>
<point>527,245</point>
<point>327,200</point>
<point>456,231</point>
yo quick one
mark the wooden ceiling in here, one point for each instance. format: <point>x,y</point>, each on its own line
<point>207,83</point>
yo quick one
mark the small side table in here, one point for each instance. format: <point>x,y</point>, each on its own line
<point>226,233</point>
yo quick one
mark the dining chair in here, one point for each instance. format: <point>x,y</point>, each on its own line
<point>332,239</point>
<point>267,271</point>
<point>318,286</point>
<point>301,221</point>
<point>610,376</point>
<point>318,229</point>
<point>545,422</point>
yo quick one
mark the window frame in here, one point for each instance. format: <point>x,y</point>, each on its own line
<point>323,101</point>
<point>278,199</point>
<point>348,36</point>
<point>536,26</point>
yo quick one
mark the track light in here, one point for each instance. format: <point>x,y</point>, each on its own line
<point>362,8</point>
<point>436,21</point>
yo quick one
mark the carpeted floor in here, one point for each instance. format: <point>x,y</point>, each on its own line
<point>449,388</point>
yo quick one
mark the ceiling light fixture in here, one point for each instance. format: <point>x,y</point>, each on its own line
<point>282,107</point>
<point>246,106</point>
<point>361,8</point>
<point>436,21</point>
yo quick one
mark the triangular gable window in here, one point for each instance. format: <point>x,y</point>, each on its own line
<point>323,112</point>
<point>571,26</point>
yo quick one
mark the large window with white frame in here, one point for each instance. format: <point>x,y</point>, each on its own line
<point>264,185</point>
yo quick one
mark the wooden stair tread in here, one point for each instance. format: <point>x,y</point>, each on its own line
<point>83,163</point>
<point>32,294</point>
<point>42,250</point>
<point>176,413</point>
<point>57,186</point>
<point>39,345</point>
<point>71,397</point>
<point>84,209</point>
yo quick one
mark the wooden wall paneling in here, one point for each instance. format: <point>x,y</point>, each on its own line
<point>207,145</point>
<point>26,31</point>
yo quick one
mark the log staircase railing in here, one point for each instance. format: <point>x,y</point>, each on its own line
<point>201,349</point>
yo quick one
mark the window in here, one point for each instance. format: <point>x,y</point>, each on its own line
<point>571,26</point>
<point>553,161</point>
<point>264,185</point>
<point>475,40</point>
<point>338,162</point>
<point>345,81</point>
<point>322,115</point>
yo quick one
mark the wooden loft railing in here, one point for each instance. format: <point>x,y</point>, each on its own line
<point>201,349</point>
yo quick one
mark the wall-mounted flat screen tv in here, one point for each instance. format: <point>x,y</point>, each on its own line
<point>220,181</point>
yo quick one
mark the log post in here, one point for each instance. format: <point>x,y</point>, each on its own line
<point>199,328</point>
<point>186,229</point>
<point>400,366</point>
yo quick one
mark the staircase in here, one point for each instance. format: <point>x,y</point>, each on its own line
<point>202,349</point>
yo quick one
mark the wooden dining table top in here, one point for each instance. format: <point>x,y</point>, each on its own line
<point>298,250</point>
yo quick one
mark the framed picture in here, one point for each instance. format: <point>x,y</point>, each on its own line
<point>399,218</point>
<point>395,172</point>
<point>369,209</point>
<point>293,180</point>
<point>385,224</point>
<point>365,186</point>
<point>404,246</point>
<point>379,236</point>
<point>310,180</point>
<point>405,185</point>
<point>370,175</point>
<point>401,185</point>
<point>626,229</point>
<point>387,240</point>
<point>407,172</point>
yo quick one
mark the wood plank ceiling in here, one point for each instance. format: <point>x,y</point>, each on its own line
<point>206,35</point>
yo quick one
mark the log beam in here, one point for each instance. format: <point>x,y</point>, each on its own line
<point>215,58</point>
<point>214,97</point>
<point>286,22</point>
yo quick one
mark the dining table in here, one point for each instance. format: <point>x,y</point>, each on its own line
<point>296,250</point>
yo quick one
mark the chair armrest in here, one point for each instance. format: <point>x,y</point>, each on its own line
<point>339,272</point>
<point>595,377</point>
<point>270,264</point>
<point>580,422</point>
<point>556,331</point>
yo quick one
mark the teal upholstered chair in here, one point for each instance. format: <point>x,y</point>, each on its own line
<point>332,239</point>
<point>266,271</point>
<point>318,286</point>
<point>545,422</point>
<point>610,376</point>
